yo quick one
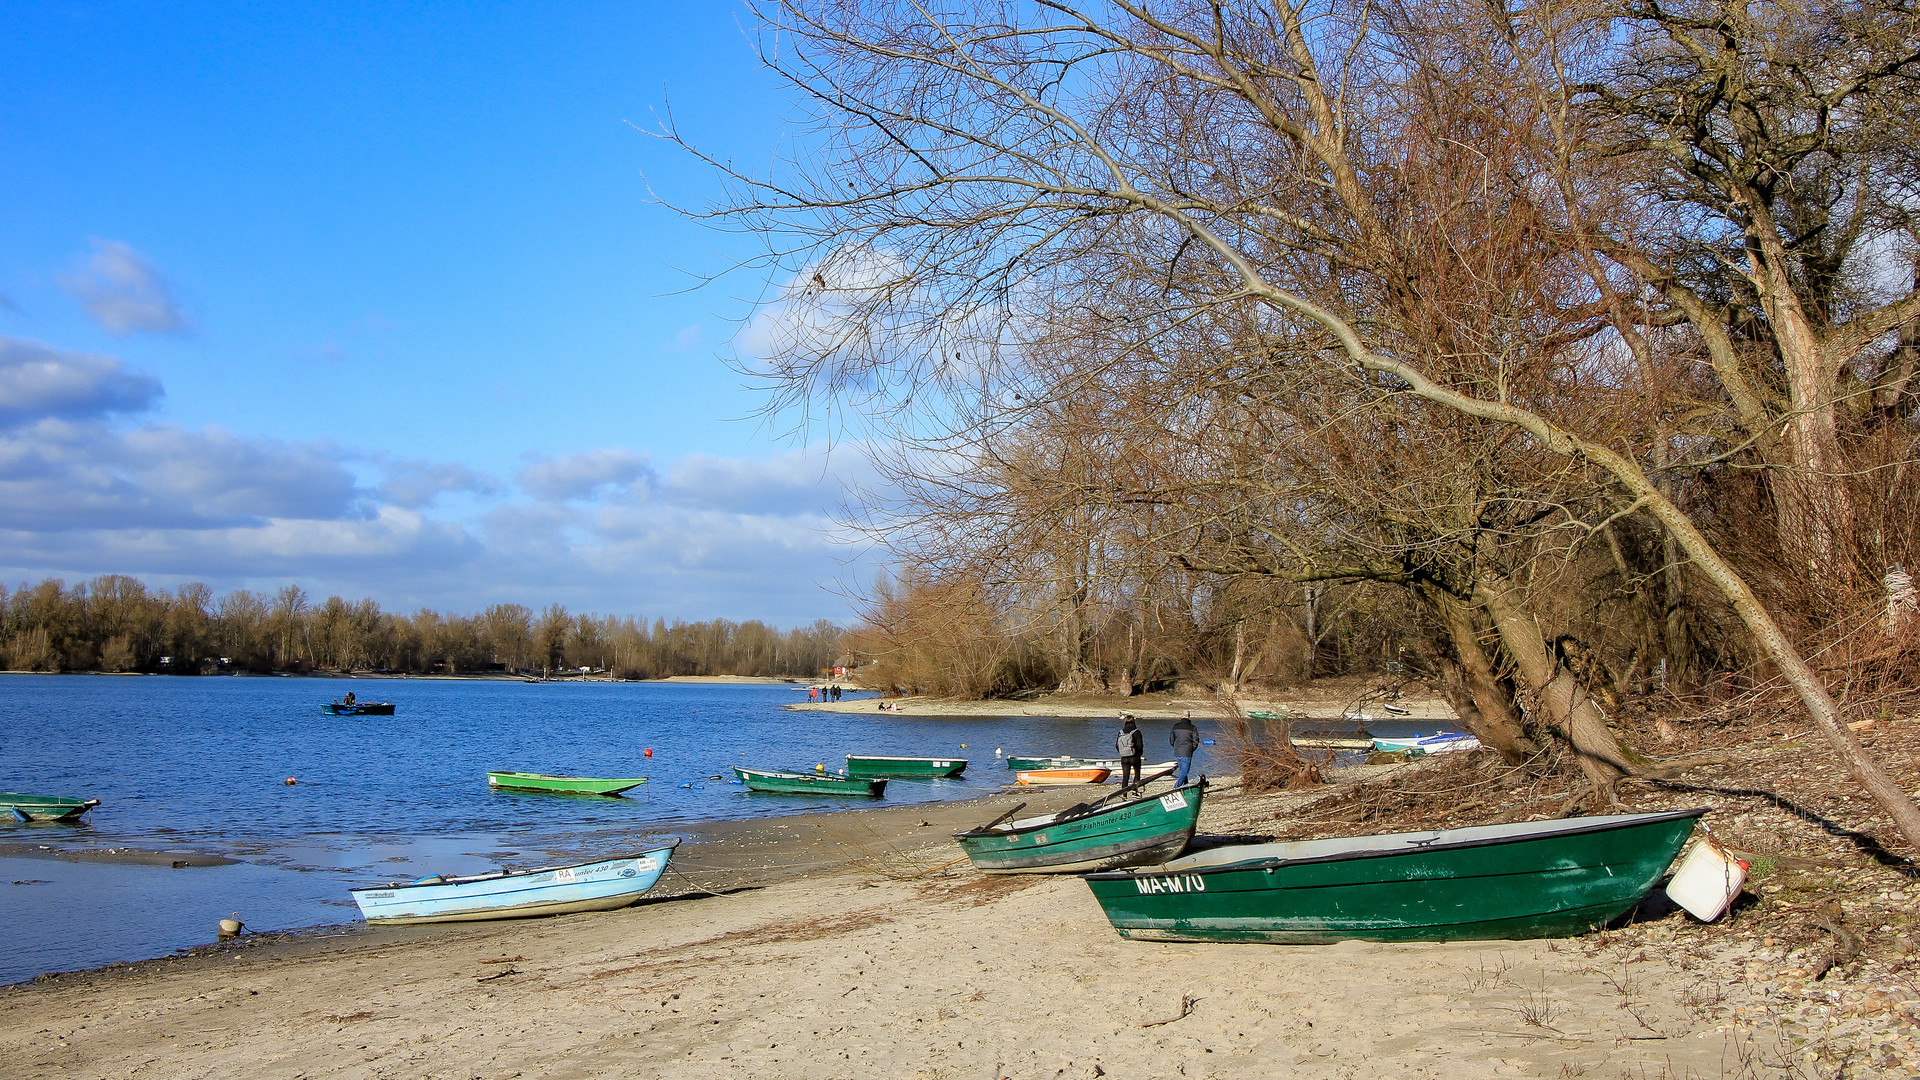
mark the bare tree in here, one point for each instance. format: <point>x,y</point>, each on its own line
<point>979,173</point>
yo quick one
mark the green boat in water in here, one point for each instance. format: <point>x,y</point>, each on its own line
<point>564,785</point>
<point>922,767</point>
<point>1087,837</point>
<point>814,783</point>
<point>44,807</point>
<point>1526,880</point>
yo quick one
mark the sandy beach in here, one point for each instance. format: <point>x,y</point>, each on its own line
<point>1329,709</point>
<point>853,945</point>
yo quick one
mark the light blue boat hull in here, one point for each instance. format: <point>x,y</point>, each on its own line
<point>602,885</point>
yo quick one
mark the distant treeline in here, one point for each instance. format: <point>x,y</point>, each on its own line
<point>118,623</point>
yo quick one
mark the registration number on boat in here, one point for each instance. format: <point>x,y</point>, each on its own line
<point>1178,883</point>
<point>1174,800</point>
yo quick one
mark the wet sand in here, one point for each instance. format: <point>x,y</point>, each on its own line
<point>857,945</point>
<point>121,855</point>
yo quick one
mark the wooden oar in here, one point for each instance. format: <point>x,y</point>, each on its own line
<point>1141,784</point>
<point>1017,807</point>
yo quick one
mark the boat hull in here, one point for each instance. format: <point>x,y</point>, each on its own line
<point>1127,834</point>
<point>1537,879</point>
<point>1431,744</point>
<point>1332,740</point>
<point>786,783</point>
<point>1059,777</point>
<point>22,807</point>
<point>562,785</point>
<point>603,885</point>
<point>870,765</point>
<point>1024,764</point>
<point>371,708</point>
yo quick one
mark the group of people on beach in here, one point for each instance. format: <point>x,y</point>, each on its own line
<point>821,693</point>
<point>1132,745</point>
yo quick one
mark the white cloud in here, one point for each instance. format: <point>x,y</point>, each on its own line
<point>414,484</point>
<point>124,293</point>
<point>85,493</point>
<point>796,482</point>
<point>39,381</point>
<point>579,476</point>
<point>58,475</point>
<point>835,310</point>
<point>689,338</point>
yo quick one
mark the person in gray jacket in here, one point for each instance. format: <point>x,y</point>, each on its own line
<point>1186,742</point>
<point>1131,745</point>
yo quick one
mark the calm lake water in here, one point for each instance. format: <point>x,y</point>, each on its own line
<point>199,764</point>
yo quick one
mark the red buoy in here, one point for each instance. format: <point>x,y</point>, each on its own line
<point>648,752</point>
<point>291,781</point>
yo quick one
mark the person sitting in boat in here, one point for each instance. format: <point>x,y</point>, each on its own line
<point>1132,745</point>
<point>349,701</point>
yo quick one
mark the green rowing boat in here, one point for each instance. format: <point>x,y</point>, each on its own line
<point>565,785</point>
<point>44,807</point>
<point>1088,837</point>
<point>799,783</point>
<point>915,767</point>
<point>1525,880</point>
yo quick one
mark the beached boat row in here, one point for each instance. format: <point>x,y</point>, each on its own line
<point>1530,879</point>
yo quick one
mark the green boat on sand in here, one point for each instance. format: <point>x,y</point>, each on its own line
<point>563,785</point>
<point>44,807</point>
<point>1087,836</point>
<point>1526,880</point>
<point>911,767</point>
<point>814,783</point>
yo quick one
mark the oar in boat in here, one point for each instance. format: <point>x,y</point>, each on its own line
<point>1140,784</point>
<point>1017,807</point>
<point>1083,809</point>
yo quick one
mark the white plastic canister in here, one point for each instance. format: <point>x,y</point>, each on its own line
<point>1707,881</point>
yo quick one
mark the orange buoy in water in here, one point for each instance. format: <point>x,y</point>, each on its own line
<point>648,752</point>
<point>292,781</point>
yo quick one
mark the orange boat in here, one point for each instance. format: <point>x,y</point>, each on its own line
<point>1063,776</point>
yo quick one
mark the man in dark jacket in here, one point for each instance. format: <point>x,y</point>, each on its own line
<point>1132,745</point>
<point>1186,741</point>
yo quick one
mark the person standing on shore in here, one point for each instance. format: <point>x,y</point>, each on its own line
<point>1186,742</point>
<point>1132,745</point>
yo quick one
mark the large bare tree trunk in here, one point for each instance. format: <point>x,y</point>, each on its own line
<point>1495,722</point>
<point>1556,690</point>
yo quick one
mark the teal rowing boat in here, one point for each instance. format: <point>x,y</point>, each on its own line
<point>1088,836</point>
<point>1526,880</point>
<point>799,783</point>
<point>44,807</point>
<point>910,767</point>
<point>564,785</point>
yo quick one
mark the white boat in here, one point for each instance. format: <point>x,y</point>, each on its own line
<point>601,885</point>
<point>1449,742</point>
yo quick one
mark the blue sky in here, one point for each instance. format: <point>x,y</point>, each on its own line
<point>378,299</point>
